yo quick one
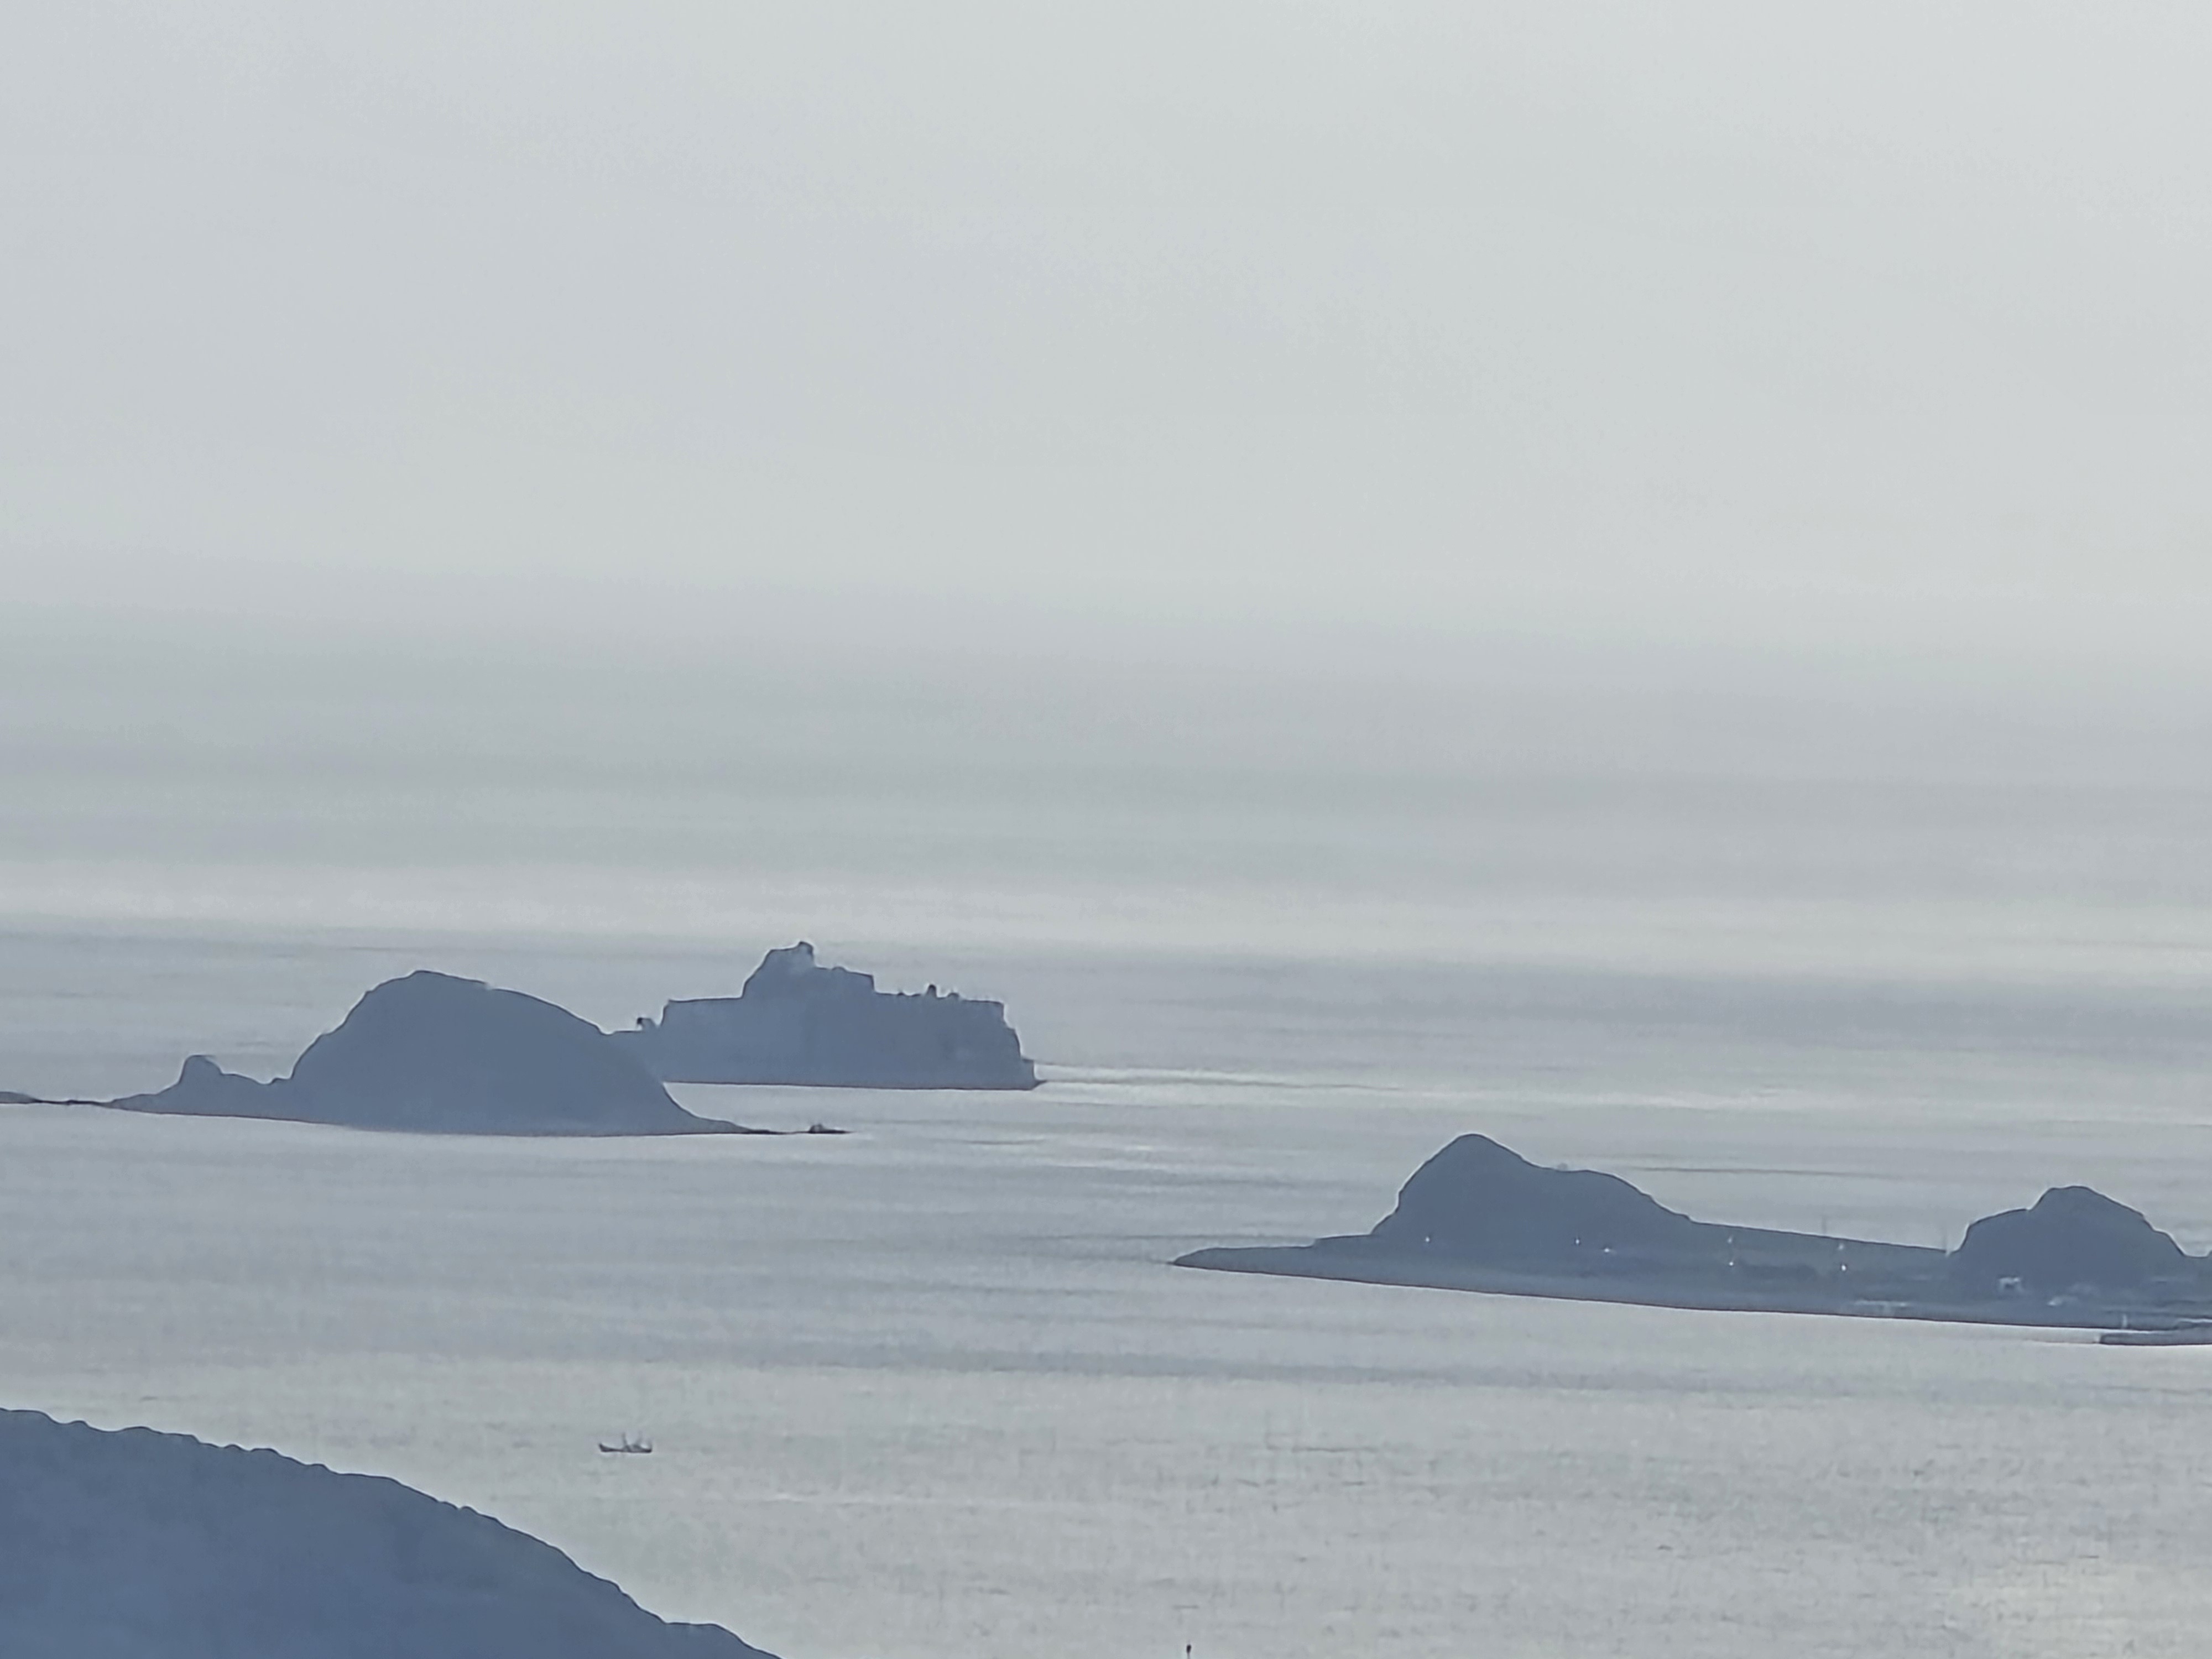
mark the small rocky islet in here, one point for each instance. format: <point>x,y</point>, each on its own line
<point>1478,1216</point>
<point>433,1053</point>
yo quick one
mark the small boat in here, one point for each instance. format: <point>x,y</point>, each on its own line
<point>628,1446</point>
<point>2173,1336</point>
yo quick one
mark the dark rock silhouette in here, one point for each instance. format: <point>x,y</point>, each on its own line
<point>1479,1216</point>
<point>2074,1238</point>
<point>204,1087</point>
<point>1478,1200</point>
<point>433,1053</point>
<point>799,1021</point>
<point>135,1545</point>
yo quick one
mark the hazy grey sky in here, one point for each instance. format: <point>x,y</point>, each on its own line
<point>1878,326</point>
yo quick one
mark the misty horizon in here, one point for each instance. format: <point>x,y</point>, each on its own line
<point>1875,336</point>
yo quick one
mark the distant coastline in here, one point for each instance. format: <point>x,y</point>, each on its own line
<point>1318,1260</point>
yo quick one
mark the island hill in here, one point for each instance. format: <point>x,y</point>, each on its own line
<point>799,1021</point>
<point>132,1543</point>
<point>1479,1216</point>
<point>433,1053</point>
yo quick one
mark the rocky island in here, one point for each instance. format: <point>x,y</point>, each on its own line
<point>1479,1216</point>
<point>130,1544</point>
<point>797,1021</point>
<point>433,1053</point>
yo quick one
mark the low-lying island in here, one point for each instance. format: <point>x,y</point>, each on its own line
<point>1479,1216</point>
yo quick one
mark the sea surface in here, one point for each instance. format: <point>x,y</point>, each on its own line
<point>931,1388</point>
<point>932,1391</point>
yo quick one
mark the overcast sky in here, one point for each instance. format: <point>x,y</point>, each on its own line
<point>1874,328</point>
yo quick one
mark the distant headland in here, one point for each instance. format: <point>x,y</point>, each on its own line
<point>797,1021</point>
<point>1479,1216</point>
<point>431,1052</point>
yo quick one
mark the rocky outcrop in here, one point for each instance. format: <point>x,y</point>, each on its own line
<point>2074,1238</point>
<point>798,1021</point>
<point>204,1089</point>
<point>134,1545</point>
<point>437,1054</point>
<point>1482,1201</point>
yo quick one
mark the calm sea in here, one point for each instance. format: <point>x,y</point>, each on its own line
<point>930,1389</point>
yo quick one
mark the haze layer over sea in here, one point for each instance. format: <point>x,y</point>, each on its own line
<point>929,1389</point>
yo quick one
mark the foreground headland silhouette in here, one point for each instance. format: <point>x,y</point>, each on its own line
<point>799,1021</point>
<point>130,1544</point>
<point>432,1052</point>
<point>1479,1216</point>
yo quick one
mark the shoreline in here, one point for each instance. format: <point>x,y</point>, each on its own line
<point>1414,1273</point>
